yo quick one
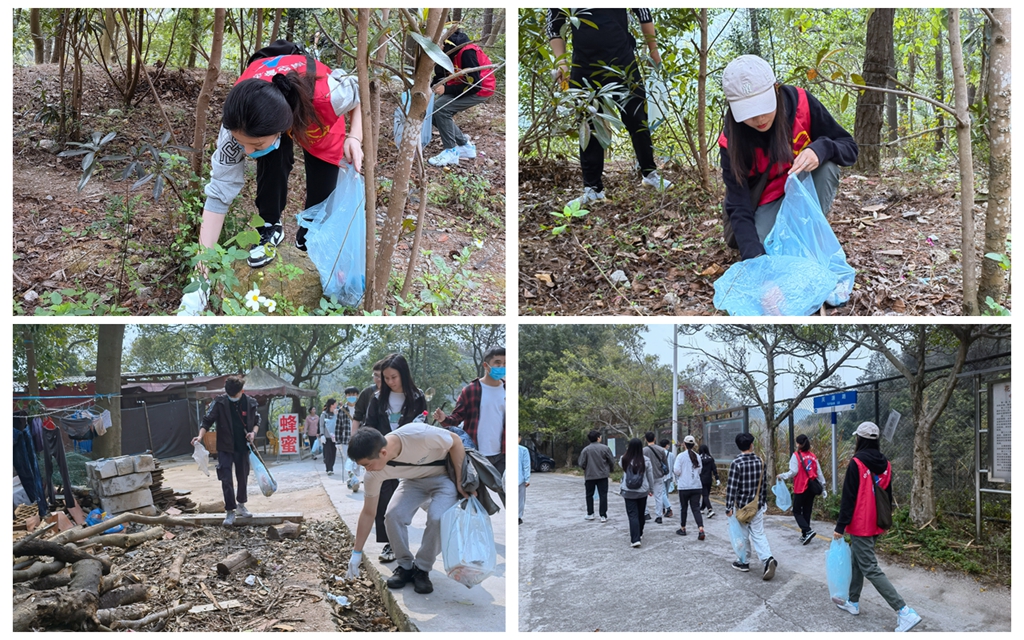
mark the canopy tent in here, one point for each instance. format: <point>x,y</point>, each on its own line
<point>262,384</point>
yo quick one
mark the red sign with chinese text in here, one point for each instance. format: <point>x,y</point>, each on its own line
<point>288,432</point>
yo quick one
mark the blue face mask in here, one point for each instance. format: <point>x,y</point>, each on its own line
<point>263,152</point>
<point>351,399</point>
<point>498,373</point>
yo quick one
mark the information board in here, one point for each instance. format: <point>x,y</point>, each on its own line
<point>891,424</point>
<point>999,421</point>
<point>720,436</point>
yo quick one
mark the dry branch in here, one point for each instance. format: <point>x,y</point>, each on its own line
<point>150,619</point>
<point>80,534</point>
<point>38,570</point>
<point>174,574</point>
<point>66,553</point>
<point>127,540</point>
<point>128,594</point>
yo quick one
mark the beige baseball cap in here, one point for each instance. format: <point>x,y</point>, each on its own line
<point>690,440</point>
<point>749,86</point>
<point>867,430</point>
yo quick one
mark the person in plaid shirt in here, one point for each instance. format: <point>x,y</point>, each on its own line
<point>481,409</point>
<point>745,473</point>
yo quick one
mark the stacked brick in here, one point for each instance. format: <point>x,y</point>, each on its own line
<point>122,484</point>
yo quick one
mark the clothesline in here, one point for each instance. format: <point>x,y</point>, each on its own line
<point>59,410</point>
<point>93,397</point>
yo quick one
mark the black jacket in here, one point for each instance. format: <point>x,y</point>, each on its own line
<point>876,462</point>
<point>830,142</point>
<point>468,84</point>
<point>219,413</point>
<point>708,468</point>
<point>377,417</point>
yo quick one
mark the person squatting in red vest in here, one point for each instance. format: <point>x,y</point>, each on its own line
<point>869,471</point>
<point>459,94</point>
<point>765,140</point>
<point>282,96</point>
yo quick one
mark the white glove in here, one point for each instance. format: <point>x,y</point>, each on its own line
<point>353,565</point>
<point>718,482</point>
<point>322,439</point>
<point>824,494</point>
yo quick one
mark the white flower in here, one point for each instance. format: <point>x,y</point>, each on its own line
<point>252,299</point>
<point>269,303</point>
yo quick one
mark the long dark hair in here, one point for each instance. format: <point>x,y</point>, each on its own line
<point>804,443</point>
<point>743,139</point>
<point>865,443</point>
<point>330,403</point>
<point>401,365</point>
<point>634,455</point>
<point>694,460</point>
<point>259,108</point>
<point>703,450</point>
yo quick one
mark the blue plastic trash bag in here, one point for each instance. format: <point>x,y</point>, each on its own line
<point>657,101</point>
<point>266,481</point>
<point>317,447</point>
<point>801,230</point>
<point>773,286</point>
<point>336,240</point>
<point>97,516</point>
<point>467,442</point>
<point>783,500</point>
<point>738,537</point>
<point>399,125</point>
<point>839,569</point>
<point>467,543</point>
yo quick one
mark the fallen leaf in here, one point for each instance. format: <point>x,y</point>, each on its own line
<point>713,270</point>
<point>528,294</point>
<point>661,232</point>
<point>873,208</point>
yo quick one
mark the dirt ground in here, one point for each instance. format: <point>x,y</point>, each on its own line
<point>64,240</point>
<point>292,577</point>
<point>901,233</point>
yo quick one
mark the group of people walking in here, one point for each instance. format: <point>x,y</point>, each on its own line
<point>649,468</point>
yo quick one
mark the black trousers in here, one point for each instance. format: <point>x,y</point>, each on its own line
<point>602,496</point>
<point>705,500</point>
<point>272,171</point>
<point>387,489</point>
<point>498,461</point>
<point>330,454</point>
<point>690,497</point>
<point>803,505</point>
<point>635,508</point>
<point>54,450</point>
<point>633,114</point>
<point>240,461</point>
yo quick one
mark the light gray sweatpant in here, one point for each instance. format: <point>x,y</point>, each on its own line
<point>826,183</point>
<point>436,495</point>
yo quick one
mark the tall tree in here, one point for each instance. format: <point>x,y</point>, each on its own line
<point>940,90</point>
<point>36,30</point>
<point>702,82</point>
<point>755,34</point>
<point>195,34</point>
<point>209,82</point>
<point>867,126</point>
<point>488,24</point>
<point>968,246</point>
<point>108,381</point>
<point>997,217</point>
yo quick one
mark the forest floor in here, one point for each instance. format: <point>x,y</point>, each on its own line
<point>73,242</point>
<point>900,231</point>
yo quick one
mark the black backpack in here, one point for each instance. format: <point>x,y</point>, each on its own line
<point>664,465</point>
<point>634,479</point>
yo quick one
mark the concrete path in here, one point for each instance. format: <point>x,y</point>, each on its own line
<point>451,607</point>
<point>578,575</point>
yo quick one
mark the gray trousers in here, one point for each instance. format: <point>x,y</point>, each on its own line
<point>522,499</point>
<point>436,495</point>
<point>445,108</point>
<point>826,183</point>
<point>865,565</point>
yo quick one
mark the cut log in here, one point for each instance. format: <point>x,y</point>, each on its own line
<point>174,574</point>
<point>32,536</point>
<point>237,560</point>
<point>129,612</point>
<point>54,581</point>
<point>38,570</point>
<point>128,594</point>
<point>150,619</point>
<point>256,520</point>
<point>220,606</point>
<point>127,540</point>
<point>211,507</point>
<point>289,530</point>
<point>110,582</point>
<point>81,534</point>
<point>73,608</point>
<point>67,553</point>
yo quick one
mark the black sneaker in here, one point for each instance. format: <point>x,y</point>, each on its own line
<point>300,238</point>
<point>769,569</point>
<point>401,577</point>
<point>421,581</point>
<point>272,233</point>
<point>807,537</point>
<point>668,514</point>
<point>741,566</point>
<point>647,516</point>
<point>658,519</point>
<point>681,531</point>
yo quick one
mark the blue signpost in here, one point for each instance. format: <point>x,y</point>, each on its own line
<point>834,403</point>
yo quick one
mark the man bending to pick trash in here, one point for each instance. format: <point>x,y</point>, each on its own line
<point>415,454</point>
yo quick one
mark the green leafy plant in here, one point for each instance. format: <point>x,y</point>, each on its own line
<point>571,211</point>
<point>90,150</point>
<point>154,160</point>
<point>76,302</point>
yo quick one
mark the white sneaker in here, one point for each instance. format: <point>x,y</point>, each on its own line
<point>852,607</point>
<point>193,304</point>
<point>590,517</point>
<point>604,519</point>
<point>446,157</point>
<point>589,195</point>
<point>242,511</point>
<point>906,619</point>
<point>655,180</point>
<point>467,151</point>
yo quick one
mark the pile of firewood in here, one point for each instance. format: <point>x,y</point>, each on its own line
<point>165,498</point>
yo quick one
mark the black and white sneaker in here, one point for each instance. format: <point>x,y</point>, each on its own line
<point>807,537</point>
<point>262,253</point>
<point>741,566</point>
<point>769,569</point>
<point>300,238</point>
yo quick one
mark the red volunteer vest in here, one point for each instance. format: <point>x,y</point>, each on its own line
<point>805,471</point>
<point>776,187</point>
<point>328,143</point>
<point>865,517</point>
<point>487,82</point>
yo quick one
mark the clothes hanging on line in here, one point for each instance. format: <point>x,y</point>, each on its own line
<point>27,468</point>
<point>55,451</point>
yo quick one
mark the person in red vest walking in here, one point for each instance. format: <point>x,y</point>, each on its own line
<point>459,94</point>
<point>868,472</point>
<point>808,482</point>
<point>771,131</point>
<point>284,95</point>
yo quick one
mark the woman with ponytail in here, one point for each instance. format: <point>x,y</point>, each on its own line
<point>283,97</point>
<point>687,472</point>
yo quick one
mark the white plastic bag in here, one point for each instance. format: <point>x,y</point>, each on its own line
<point>400,115</point>
<point>738,537</point>
<point>467,543</point>
<point>202,458</point>
<point>657,101</point>
<point>266,481</point>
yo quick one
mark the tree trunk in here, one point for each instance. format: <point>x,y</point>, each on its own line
<point>203,103</point>
<point>997,217</point>
<point>456,15</point>
<point>369,156</point>
<point>382,53</point>
<point>289,30</point>
<point>58,38</point>
<point>755,36</point>
<point>37,35</point>
<point>940,93</point>
<point>892,116</point>
<point>905,100</point>
<point>258,44</point>
<point>277,25</point>
<point>108,381</point>
<point>968,245</point>
<point>488,23</point>
<point>194,39</point>
<point>922,490</point>
<point>702,82</point>
<point>867,126</point>
<point>28,336</point>
<point>496,30</point>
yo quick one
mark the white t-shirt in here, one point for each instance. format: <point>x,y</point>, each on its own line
<point>395,402</point>
<point>492,419</point>
<point>421,443</point>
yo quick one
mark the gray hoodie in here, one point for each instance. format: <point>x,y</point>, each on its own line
<point>644,489</point>
<point>597,461</point>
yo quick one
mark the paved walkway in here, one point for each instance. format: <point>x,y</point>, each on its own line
<point>578,575</point>
<point>451,607</point>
